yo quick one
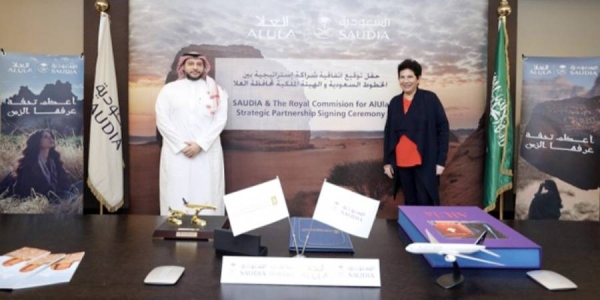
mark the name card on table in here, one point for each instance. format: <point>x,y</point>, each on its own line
<point>301,271</point>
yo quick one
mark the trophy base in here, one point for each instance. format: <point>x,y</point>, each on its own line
<point>245,244</point>
<point>189,231</point>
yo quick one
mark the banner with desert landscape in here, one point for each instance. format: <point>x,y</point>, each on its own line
<point>309,83</point>
<point>558,166</point>
<point>41,165</point>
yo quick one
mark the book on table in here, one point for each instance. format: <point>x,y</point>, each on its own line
<point>322,238</point>
<point>464,224</point>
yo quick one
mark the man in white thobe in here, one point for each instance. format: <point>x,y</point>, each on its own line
<point>191,112</point>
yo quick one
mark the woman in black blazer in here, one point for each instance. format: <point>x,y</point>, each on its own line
<point>415,139</point>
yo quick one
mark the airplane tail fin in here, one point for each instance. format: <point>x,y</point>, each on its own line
<point>481,238</point>
<point>480,242</point>
<point>430,237</point>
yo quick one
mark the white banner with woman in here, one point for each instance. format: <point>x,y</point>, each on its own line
<point>41,166</point>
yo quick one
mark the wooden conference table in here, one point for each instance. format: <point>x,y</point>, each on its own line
<point>120,251</point>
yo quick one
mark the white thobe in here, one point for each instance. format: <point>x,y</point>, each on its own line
<point>182,116</point>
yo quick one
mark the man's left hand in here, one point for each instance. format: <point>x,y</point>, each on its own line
<point>192,149</point>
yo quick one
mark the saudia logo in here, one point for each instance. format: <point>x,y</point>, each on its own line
<point>583,70</point>
<point>561,70</point>
<point>364,29</point>
<point>351,29</point>
<point>42,68</point>
<point>64,68</point>
<point>324,29</point>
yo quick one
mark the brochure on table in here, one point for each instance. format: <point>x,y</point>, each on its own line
<point>31,267</point>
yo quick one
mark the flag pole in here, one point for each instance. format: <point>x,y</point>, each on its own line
<point>293,235</point>
<point>501,213</point>
<point>503,10</point>
<point>307,237</point>
<point>101,6</point>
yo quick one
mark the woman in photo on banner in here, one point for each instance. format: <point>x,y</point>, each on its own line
<point>40,170</point>
<point>546,203</point>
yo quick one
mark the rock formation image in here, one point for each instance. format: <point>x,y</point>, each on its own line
<point>461,183</point>
<point>568,147</point>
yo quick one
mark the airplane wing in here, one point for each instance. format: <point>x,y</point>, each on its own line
<point>430,237</point>
<point>490,252</point>
<point>477,259</point>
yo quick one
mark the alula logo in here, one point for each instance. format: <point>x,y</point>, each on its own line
<point>20,67</point>
<point>277,28</point>
<point>540,69</point>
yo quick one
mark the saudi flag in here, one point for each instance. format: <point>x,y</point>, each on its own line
<point>499,159</point>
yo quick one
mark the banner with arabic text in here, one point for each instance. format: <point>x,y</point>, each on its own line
<point>308,85</point>
<point>41,112</point>
<point>558,175</point>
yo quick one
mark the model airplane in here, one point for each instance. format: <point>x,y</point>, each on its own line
<point>198,208</point>
<point>453,250</point>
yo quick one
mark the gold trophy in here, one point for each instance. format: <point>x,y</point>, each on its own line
<point>188,226</point>
<point>176,216</point>
<point>198,208</point>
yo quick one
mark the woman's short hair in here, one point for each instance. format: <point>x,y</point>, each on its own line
<point>411,64</point>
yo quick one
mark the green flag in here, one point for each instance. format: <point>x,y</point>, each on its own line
<point>499,158</point>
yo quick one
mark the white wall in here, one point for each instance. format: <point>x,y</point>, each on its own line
<point>555,28</point>
<point>42,26</point>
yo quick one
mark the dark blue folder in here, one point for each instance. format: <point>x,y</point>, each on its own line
<point>323,238</point>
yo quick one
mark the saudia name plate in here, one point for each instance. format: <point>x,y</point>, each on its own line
<point>301,271</point>
<point>190,230</point>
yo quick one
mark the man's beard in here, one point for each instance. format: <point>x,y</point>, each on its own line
<point>190,77</point>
